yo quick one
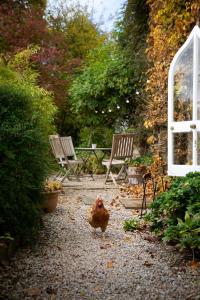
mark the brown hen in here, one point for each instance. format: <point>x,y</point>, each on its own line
<point>98,216</point>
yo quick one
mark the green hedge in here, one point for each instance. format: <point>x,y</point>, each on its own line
<point>23,159</point>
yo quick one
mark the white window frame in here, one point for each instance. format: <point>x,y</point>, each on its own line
<point>184,126</point>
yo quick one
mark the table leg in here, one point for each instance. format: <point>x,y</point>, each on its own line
<point>85,160</point>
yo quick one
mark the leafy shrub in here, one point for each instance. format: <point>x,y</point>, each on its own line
<point>23,155</point>
<point>95,165</point>
<point>145,160</point>
<point>185,233</point>
<point>175,214</point>
<point>131,224</point>
<point>101,135</point>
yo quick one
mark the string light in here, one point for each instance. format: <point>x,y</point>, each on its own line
<point>127,101</point>
<point>137,93</point>
<point>148,81</point>
<point>118,107</point>
<point>96,112</point>
<point>110,110</point>
<point>102,111</point>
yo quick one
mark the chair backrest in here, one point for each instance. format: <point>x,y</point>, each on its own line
<point>123,145</point>
<point>56,147</point>
<point>67,146</point>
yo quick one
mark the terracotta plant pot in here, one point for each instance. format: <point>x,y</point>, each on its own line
<point>50,201</point>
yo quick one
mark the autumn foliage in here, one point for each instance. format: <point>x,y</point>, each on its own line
<point>170,23</point>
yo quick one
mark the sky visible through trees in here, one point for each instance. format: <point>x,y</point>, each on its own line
<point>104,11</point>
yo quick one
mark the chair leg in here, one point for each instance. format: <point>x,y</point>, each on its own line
<point>57,175</point>
<point>66,175</point>
<point>113,178</point>
<point>74,173</point>
<point>70,169</point>
<point>107,174</point>
<point>120,172</point>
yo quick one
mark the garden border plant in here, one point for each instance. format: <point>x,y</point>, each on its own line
<point>175,214</point>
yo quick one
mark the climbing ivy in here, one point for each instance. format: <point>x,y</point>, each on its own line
<point>170,23</point>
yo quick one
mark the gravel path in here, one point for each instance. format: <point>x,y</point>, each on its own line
<point>68,263</point>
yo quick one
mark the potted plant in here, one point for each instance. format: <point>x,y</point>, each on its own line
<point>52,189</point>
<point>137,167</point>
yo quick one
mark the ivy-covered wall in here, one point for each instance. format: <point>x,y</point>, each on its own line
<point>170,22</point>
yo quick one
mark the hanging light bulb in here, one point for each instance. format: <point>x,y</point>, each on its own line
<point>127,101</point>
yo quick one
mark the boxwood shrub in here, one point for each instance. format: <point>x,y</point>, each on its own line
<point>23,161</point>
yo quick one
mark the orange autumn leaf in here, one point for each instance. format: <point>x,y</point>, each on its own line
<point>110,264</point>
<point>194,264</point>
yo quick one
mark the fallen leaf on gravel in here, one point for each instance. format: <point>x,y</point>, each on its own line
<point>33,292</point>
<point>147,264</point>
<point>109,264</point>
<point>127,239</point>
<point>194,264</point>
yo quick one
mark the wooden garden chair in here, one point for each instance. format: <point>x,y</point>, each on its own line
<point>122,148</point>
<point>63,150</point>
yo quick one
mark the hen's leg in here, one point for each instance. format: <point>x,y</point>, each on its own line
<point>103,229</point>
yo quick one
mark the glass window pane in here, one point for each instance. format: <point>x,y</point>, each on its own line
<point>198,83</point>
<point>183,85</point>
<point>183,148</point>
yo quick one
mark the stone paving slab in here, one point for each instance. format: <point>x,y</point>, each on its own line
<point>87,183</point>
<point>133,203</point>
<point>87,190</point>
